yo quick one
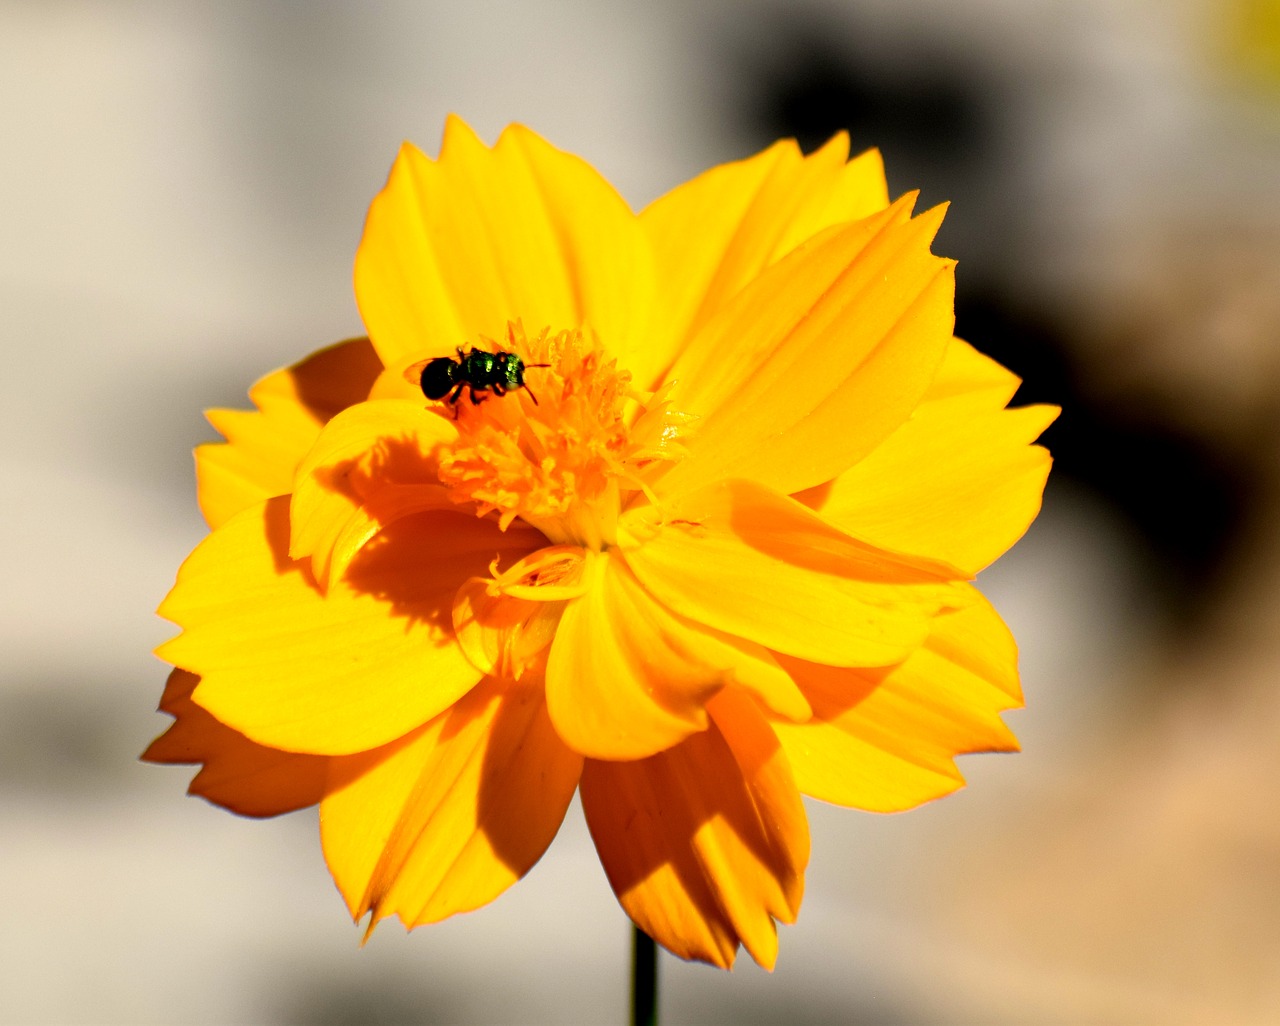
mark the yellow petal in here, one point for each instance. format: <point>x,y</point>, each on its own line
<point>704,844</point>
<point>236,773</point>
<point>747,665</point>
<point>959,481</point>
<point>455,248</point>
<point>744,216</point>
<point>627,677</point>
<point>885,740</point>
<point>371,465</point>
<point>601,244</point>
<point>333,673</point>
<point>965,371</point>
<point>397,383</point>
<point>619,684</point>
<point>958,484</point>
<point>858,190</point>
<point>819,360</point>
<point>741,559</point>
<point>448,819</point>
<point>264,447</point>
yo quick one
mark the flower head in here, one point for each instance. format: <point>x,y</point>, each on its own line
<point>698,544</point>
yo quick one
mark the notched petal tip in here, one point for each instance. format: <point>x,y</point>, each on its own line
<point>705,844</point>
<point>445,820</point>
<point>237,774</point>
<point>869,304</point>
<point>886,740</point>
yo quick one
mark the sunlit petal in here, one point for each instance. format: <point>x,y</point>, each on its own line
<point>885,740</point>
<point>820,359</point>
<point>447,819</point>
<point>965,371</point>
<point>619,684</point>
<point>960,480</point>
<point>264,447</point>
<point>705,844</point>
<point>456,247</point>
<point>745,216</point>
<point>294,668</point>
<point>236,773</point>
<point>743,560</point>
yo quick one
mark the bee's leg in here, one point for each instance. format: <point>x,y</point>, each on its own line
<point>499,391</point>
<point>476,397</point>
<point>453,399</point>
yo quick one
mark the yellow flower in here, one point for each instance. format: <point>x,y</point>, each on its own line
<point>714,556</point>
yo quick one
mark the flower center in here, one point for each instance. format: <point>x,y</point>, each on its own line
<point>565,453</point>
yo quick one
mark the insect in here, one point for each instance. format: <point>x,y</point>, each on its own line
<point>475,370</point>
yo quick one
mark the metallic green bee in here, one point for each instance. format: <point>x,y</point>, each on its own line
<point>475,370</point>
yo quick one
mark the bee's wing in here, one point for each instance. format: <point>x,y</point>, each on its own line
<point>413,373</point>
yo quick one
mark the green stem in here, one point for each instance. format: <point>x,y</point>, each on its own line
<point>644,979</point>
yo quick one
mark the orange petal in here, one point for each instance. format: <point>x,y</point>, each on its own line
<point>237,774</point>
<point>959,481</point>
<point>619,684</point>
<point>372,464</point>
<point>457,247</point>
<point>744,216</point>
<point>501,634</point>
<point>265,446</point>
<point>741,559</point>
<point>885,740</point>
<point>705,844</point>
<point>819,360</point>
<point>333,673</point>
<point>449,818</point>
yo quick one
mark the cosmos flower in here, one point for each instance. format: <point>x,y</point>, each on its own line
<point>705,547</point>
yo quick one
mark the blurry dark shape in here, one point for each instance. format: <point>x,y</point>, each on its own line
<point>1184,496</point>
<point>935,112</point>
<point>941,117</point>
<point>918,104</point>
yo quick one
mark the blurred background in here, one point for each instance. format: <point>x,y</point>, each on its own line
<point>182,187</point>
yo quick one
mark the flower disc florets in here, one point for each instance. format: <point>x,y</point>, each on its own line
<point>565,461</point>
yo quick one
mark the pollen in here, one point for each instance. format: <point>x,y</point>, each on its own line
<point>568,461</point>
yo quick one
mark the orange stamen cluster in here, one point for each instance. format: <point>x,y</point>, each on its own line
<point>565,464</point>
